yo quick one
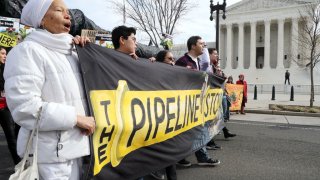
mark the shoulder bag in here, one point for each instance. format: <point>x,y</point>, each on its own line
<point>27,168</point>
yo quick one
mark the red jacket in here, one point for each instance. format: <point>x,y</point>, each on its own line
<point>245,87</point>
<point>3,103</point>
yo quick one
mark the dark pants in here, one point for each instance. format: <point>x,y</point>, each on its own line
<point>171,172</point>
<point>285,81</point>
<point>11,130</point>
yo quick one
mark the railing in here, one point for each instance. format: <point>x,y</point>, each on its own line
<point>283,89</point>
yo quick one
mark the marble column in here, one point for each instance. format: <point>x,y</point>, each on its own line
<point>241,47</point>
<point>280,43</point>
<point>253,45</point>
<point>229,46</point>
<point>267,44</point>
<point>294,40</point>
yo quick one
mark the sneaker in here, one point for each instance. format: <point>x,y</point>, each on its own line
<point>157,175</point>
<point>209,162</point>
<point>228,134</point>
<point>184,163</point>
<point>213,146</point>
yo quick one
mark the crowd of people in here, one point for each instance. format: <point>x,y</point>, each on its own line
<point>43,83</point>
<point>124,41</point>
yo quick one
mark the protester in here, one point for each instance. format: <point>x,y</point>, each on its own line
<point>230,80</point>
<point>9,127</point>
<point>287,77</point>
<point>209,62</point>
<point>245,93</point>
<point>227,114</point>
<point>43,83</point>
<point>166,57</point>
<point>190,60</point>
<point>214,57</point>
<point>225,105</point>
<point>124,40</point>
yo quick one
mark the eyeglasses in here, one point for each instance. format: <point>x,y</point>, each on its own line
<point>134,39</point>
<point>171,58</point>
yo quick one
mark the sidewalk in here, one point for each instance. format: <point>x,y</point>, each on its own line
<point>278,119</point>
<point>261,105</point>
<point>258,110</point>
<point>263,100</point>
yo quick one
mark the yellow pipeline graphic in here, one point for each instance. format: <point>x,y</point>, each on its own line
<point>235,92</point>
<point>128,120</point>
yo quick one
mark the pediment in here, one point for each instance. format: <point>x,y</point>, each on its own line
<point>250,5</point>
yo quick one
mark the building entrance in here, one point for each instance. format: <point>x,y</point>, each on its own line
<point>260,58</point>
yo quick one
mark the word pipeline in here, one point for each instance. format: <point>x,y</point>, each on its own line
<point>128,120</point>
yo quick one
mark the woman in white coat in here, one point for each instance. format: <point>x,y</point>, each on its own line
<point>42,81</point>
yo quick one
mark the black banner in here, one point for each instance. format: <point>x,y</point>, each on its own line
<point>148,115</point>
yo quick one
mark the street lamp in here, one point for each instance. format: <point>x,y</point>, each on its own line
<point>217,8</point>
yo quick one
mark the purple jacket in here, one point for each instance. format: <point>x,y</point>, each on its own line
<point>187,61</point>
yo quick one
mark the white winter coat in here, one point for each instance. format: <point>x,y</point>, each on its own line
<point>42,77</point>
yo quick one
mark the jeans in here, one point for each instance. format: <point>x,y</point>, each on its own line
<point>202,155</point>
<point>226,108</point>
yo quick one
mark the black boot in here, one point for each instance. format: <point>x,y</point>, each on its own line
<point>227,134</point>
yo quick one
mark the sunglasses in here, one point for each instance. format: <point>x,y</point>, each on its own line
<point>171,58</point>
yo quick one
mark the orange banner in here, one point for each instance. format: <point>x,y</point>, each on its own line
<point>235,92</point>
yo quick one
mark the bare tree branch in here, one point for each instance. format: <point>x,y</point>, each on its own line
<point>310,40</point>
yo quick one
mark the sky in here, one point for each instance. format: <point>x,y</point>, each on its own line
<point>195,22</point>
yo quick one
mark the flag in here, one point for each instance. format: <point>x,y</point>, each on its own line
<point>235,93</point>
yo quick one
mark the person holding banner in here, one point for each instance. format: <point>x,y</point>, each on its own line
<point>190,60</point>
<point>227,115</point>
<point>124,40</point>
<point>165,56</point>
<point>10,128</point>
<point>209,60</point>
<point>43,83</point>
<point>245,93</point>
<point>230,80</point>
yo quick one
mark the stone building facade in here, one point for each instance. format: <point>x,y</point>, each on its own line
<point>262,39</point>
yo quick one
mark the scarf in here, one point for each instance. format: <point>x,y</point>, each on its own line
<point>61,43</point>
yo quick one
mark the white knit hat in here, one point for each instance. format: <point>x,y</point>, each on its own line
<point>34,11</point>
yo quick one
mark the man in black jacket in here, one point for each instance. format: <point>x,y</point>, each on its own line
<point>287,77</point>
<point>190,60</point>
